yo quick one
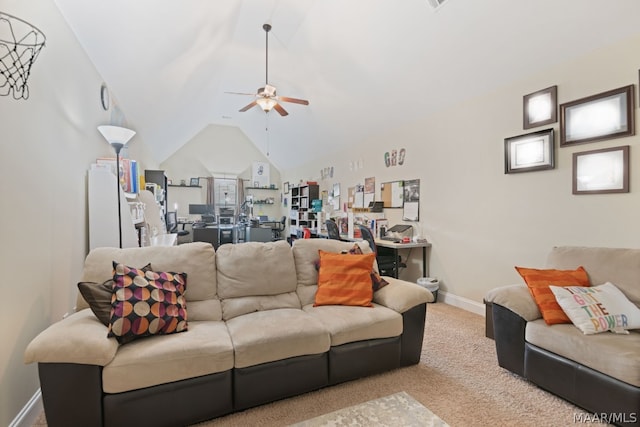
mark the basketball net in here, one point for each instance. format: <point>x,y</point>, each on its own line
<point>20,44</point>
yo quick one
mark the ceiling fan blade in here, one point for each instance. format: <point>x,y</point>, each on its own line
<point>241,93</point>
<point>280,110</point>
<point>294,100</point>
<point>253,104</point>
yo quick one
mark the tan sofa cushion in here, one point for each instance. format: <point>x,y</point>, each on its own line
<point>80,338</point>
<point>400,295</point>
<point>196,259</point>
<point>516,298</point>
<point>305,253</point>
<point>267,336</point>
<point>256,276</point>
<point>204,349</point>
<point>349,323</point>
<point>612,354</point>
<point>617,265</point>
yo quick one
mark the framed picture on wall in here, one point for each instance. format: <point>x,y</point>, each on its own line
<point>606,115</point>
<point>411,199</point>
<point>540,108</point>
<point>601,171</point>
<point>530,152</point>
<point>194,182</point>
<point>286,187</point>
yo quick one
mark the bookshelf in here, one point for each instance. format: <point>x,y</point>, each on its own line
<point>301,214</point>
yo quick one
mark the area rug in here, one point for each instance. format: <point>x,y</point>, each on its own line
<point>398,409</point>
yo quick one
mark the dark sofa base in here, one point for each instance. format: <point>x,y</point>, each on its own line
<point>175,404</point>
<point>72,393</point>
<point>576,383</point>
<point>264,383</point>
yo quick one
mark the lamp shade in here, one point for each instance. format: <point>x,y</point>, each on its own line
<point>266,103</point>
<point>116,134</point>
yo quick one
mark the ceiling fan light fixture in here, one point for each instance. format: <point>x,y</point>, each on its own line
<point>266,103</point>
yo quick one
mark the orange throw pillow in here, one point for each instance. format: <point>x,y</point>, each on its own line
<point>344,280</point>
<point>538,282</point>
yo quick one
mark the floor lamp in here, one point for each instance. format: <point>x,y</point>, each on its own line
<point>118,138</point>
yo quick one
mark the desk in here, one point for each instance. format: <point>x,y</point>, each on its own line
<point>397,246</point>
<point>258,234</point>
<point>184,222</point>
<point>206,234</point>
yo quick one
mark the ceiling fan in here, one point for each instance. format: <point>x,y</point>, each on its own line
<point>266,96</point>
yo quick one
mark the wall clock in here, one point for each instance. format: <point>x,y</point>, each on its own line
<point>104,97</point>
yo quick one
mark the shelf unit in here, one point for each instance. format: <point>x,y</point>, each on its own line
<point>264,202</point>
<point>301,215</point>
<point>159,178</point>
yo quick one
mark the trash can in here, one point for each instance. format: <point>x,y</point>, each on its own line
<point>432,284</point>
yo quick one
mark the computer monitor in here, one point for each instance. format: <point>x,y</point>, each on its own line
<point>201,209</point>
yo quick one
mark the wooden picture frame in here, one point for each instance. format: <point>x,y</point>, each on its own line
<point>540,108</point>
<point>598,117</point>
<point>601,171</point>
<point>530,152</point>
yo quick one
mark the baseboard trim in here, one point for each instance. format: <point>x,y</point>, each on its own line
<point>461,302</point>
<point>30,413</point>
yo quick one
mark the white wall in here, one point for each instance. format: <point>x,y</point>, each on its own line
<point>480,221</point>
<point>220,151</point>
<point>47,144</point>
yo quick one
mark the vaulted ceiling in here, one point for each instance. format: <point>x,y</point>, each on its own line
<point>366,66</point>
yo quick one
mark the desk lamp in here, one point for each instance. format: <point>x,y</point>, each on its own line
<point>118,138</point>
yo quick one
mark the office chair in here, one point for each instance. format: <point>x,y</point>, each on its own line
<point>332,229</point>
<point>280,227</point>
<point>389,265</point>
<point>172,224</point>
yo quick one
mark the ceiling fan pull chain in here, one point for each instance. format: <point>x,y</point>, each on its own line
<point>266,128</point>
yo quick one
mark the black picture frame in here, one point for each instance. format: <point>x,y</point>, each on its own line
<point>582,120</point>
<point>540,108</point>
<point>601,171</point>
<point>285,186</point>
<point>194,182</point>
<point>534,151</point>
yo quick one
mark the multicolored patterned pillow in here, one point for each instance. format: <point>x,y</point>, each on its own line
<point>98,296</point>
<point>146,303</point>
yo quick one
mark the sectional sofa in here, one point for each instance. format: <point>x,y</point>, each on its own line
<point>599,372</point>
<point>253,335</point>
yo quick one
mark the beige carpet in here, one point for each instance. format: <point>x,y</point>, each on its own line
<point>458,378</point>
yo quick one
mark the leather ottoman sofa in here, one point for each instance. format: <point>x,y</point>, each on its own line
<point>599,372</point>
<point>253,336</point>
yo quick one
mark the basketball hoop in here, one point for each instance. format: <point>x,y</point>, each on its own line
<point>20,44</point>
